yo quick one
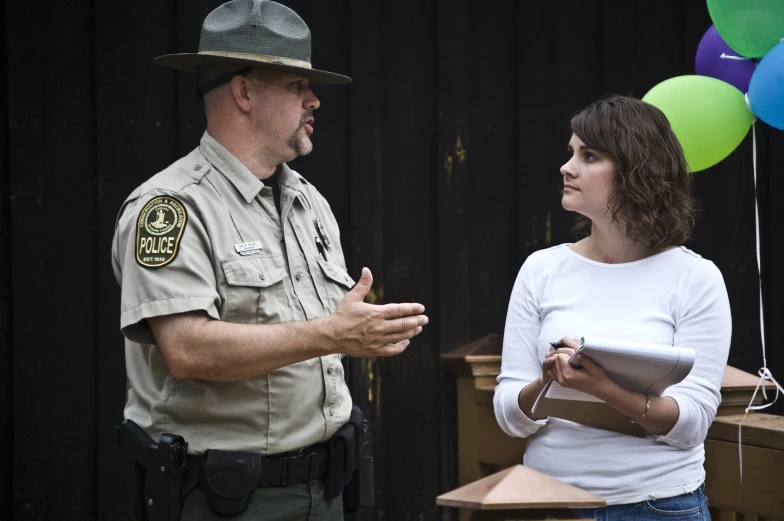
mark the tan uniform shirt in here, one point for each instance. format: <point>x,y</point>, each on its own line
<point>205,234</point>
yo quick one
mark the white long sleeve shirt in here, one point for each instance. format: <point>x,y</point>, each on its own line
<point>673,298</point>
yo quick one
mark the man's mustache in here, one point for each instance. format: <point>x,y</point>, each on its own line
<point>305,117</point>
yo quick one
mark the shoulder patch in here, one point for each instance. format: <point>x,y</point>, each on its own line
<point>159,230</point>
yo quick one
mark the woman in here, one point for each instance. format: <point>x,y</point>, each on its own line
<point>630,278</point>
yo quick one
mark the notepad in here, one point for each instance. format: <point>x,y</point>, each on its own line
<point>635,366</point>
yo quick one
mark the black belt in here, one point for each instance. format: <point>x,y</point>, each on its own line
<point>277,470</point>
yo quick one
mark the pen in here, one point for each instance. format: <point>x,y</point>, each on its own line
<point>558,345</point>
<point>321,248</point>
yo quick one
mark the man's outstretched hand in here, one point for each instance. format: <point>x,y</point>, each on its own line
<point>360,329</point>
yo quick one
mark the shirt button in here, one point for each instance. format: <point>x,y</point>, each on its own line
<point>261,276</point>
<point>330,370</point>
<point>299,276</point>
<point>197,167</point>
<point>332,412</point>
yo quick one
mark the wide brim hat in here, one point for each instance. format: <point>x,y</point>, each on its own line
<point>254,33</point>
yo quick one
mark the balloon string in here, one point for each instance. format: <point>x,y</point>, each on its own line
<point>730,57</point>
<point>764,372</point>
<point>757,230</point>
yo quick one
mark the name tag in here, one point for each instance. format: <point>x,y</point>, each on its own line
<point>248,248</point>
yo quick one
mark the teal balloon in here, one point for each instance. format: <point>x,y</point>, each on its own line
<point>750,27</point>
<point>709,117</point>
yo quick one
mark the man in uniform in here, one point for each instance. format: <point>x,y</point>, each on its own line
<point>236,303</point>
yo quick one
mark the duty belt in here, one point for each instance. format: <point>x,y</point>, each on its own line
<point>277,470</point>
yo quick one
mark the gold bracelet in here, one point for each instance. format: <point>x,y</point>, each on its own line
<point>647,405</point>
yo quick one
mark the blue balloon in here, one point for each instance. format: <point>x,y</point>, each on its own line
<point>766,90</point>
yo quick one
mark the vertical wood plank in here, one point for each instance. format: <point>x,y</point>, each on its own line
<point>28,219</point>
<point>454,185</point>
<point>6,333</point>
<point>137,137</point>
<point>70,210</point>
<point>618,50</point>
<point>658,43</point>
<point>365,210</point>
<point>492,160</point>
<point>537,129</point>
<point>408,403</point>
<point>454,208</point>
<point>775,256</point>
<point>52,240</point>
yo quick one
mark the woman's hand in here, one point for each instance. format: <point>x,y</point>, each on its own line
<point>550,358</point>
<point>588,377</point>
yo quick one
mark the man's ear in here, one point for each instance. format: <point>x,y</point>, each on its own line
<point>240,91</point>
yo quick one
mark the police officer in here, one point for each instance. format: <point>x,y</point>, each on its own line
<point>236,303</point>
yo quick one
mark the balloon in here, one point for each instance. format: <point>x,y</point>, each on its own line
<point>709,61</point>
<point>766,90</point>
<point>709,117</point>
<point>750,27</point>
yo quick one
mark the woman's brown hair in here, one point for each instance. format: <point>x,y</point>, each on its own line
<point>651,197</point>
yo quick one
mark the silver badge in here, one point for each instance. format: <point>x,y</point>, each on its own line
<point>322,233</point>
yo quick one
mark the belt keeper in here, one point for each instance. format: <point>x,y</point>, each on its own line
<point>284,471</point>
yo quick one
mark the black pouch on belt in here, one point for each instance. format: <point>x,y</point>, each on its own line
<point>230,479</point>
<point>343,455</point>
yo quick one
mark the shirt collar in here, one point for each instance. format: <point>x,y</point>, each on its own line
<point>239,175</point>
<point>231,167</point>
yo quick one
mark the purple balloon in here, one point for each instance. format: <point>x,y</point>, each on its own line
<point>708,62</point>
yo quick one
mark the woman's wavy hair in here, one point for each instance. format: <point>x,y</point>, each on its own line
<point>651,196</point>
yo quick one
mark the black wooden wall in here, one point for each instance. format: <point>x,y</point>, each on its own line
<point>440,162</point>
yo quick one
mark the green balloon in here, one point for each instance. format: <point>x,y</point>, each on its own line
<point>709,117</point>
<point>750,27</point>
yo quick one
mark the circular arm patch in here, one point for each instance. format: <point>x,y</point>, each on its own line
<point>159,230</point>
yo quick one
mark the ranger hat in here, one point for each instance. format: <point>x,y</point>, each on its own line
<point>253,34</point>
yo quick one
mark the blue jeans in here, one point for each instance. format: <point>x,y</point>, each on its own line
<point>686,507</point>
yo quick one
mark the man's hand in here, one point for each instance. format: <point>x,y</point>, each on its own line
<point>359,329</point>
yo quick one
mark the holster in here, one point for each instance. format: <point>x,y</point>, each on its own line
<point>359,490</point>
<point>158,472</point>
<point>350,469</point>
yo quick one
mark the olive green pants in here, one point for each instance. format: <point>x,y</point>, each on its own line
<point>300,502</point>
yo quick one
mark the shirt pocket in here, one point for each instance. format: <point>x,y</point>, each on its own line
<point>255,290</point>
<point>336,283</point>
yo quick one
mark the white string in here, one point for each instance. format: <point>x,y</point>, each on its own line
<point>730,57</point>
<point>764,372</point>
